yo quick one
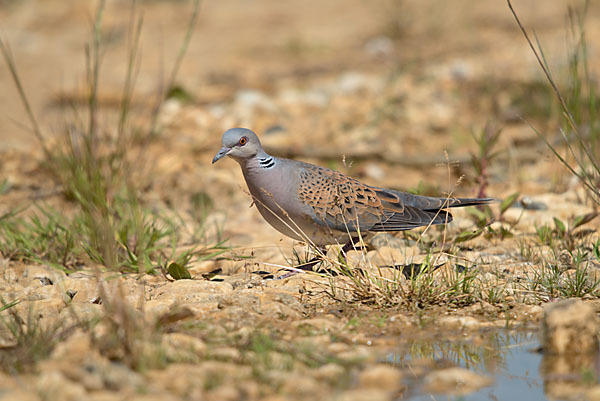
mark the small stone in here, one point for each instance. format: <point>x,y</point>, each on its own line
<point>226,354</point>
<point>314,98</point>
<point>175,314</point>
<point>117,376</point>
<point>77,313</point>
<point>157,308</point>
<point>401,319</point>
<point>44,274</point>
<point>569,327</point>
<point>336,348</point>
<point>178,379</point>
<point>330,372</point>
<point>528,203</point>
<point>379,46</point>
<point>320,324</point>
<point>203,267</point>
<point>455,381</point>
<point>223,393</point>
<point>10,276</point>
<point>301,386</point>
<point>357,354</point>
<point>390,255</point>
<point>374,171</point>
<point>459,322</point>
<point>44,308</point>
<point>75,345</point>
<point>19,395</point>
<point>275,397</point>
<point>45,280</point>
<point>188,291</point>
<point>366,395</point>
<point>170,109</point>
<point>381,240</point>
<point>565,261</point>
<point>248,98</point>
<point>84,287</point>
<point>593,394</point>
<point>181,347</point>
<point>250,389</point>
<point>533,312</point>
<point>55,386</point>
<point>382,377</point>
<point>461,70</point>
<point>104,395</point>
<point>161,396</point>
<point>352,82</point>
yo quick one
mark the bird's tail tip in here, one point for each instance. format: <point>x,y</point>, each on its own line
<point>459,202</point>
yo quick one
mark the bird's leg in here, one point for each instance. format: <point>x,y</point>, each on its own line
<point>308,265</point>
<point>349,246</point>
<point>314,261</point>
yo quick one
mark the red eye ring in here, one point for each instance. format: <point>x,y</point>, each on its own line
<point>243,141</point>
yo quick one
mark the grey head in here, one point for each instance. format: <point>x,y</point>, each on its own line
<point>240,144</point>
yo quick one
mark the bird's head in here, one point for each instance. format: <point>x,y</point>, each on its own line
<point>240,144</point>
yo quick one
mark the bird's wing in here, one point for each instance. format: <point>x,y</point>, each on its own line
<point>344,204</point>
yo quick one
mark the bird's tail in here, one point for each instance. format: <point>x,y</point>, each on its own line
<point>462,202</point>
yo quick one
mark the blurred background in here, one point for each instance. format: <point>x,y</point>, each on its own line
<point>398,93</point>
<point>454,65</point>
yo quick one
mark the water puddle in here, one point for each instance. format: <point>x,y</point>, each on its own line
<point>507,366</point>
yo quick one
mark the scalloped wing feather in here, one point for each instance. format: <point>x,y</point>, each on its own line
<point>344,204</point>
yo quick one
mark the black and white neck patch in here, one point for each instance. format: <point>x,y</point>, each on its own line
<point>266,162</point>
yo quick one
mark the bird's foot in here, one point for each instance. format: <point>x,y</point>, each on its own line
<point>307,266</point>
<point>412,270</point>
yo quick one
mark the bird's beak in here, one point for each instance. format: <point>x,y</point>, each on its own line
<point>220,154</point>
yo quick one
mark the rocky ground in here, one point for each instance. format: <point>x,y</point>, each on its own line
<point>394,93</point>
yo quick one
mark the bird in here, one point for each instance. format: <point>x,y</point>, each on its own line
<point>324,207</point>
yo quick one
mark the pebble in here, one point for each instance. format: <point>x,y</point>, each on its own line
<point>570,327</point>
<point>357,354</point>
<point>374,172</point>
<point>226,354</point>
<point>315,98</point>
<point>459,322</point>
<point>190,291</point>
<point>337,347</point>
<point>249,98</point>
<point>301,386</point>
<point>528,203</point>
<point>320,324</point>
<point>223,393</point>
<point>55,386</point>
<point>382,377</point>
<point>182,347</point>
<point>379,46</point>
<point>19,395</point>
<point>401,319</point>
<point>455,381</point>
<point>352,82</point>
<point>593,394</point>
<point>532,312</point>
<point>366,395</point>
<point>330,372</point>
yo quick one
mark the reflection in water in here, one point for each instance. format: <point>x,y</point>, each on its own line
<point>569,377</point>
<point>485,353</point>
<point>510,357</point>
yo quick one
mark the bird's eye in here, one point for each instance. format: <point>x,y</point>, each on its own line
<point>243,141</point>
